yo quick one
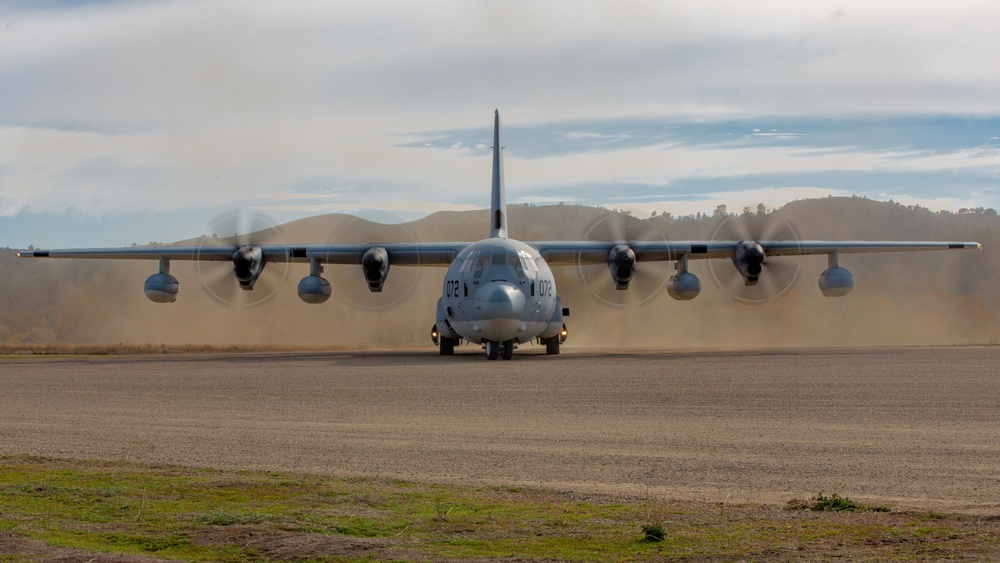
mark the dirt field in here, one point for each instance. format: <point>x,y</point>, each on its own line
<point>904,427</point>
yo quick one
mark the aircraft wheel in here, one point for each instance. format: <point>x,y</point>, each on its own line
<point>492,350</point>
<point>552,346</point>
<point>508,349</point>
<point>447,346</point>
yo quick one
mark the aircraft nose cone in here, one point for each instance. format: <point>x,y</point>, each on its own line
<point>499,300</point>
<point>498,309</point>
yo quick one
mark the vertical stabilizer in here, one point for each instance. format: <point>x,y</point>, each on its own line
<point>498,205</point>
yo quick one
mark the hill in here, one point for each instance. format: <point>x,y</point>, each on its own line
<point>910,298</point>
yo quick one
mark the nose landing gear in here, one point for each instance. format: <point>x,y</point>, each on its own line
<point>495,350</point>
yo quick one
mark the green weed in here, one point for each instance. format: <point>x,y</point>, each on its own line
<point>97,508</point>
<point>654,532</point>
<point>832,503</point>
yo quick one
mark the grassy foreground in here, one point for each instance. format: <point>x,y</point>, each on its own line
<point>73,510</point>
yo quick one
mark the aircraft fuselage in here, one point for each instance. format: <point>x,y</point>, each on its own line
<point>499,291</point>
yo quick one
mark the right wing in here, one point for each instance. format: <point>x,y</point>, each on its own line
<point>748,257</point>
<point>587,252</point>
<point>249,261</point>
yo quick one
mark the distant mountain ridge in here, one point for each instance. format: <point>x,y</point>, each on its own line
<point>834,218</point>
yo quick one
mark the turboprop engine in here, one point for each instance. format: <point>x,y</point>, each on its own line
<point>375,264</point>
<point>621,262</point>
<point>749,260</point>
<point>248,263</point>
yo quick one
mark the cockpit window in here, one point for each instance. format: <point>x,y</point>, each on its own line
<point>470,260</point>
<point>508,260</point>
<point>514,264</point>
<point>504,260</point>
<point>526,262</point>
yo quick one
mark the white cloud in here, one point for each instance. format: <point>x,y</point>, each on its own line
<point>114,107</point>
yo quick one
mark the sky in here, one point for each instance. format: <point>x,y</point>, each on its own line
<point>131,121</point>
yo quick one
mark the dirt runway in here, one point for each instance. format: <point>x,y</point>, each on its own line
<point>907,427</point>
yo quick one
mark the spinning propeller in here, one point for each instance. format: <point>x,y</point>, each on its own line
<point>367,293</point>
<point>628,283</point>
<point>239,282</point>
<point>751,276</point>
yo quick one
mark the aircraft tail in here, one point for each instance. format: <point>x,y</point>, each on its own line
<point>498,205</point>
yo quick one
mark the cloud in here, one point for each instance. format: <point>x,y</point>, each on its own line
<point>119,107</point>
<point>189,61</point>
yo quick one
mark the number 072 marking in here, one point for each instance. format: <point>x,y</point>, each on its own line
<point>545,288</point>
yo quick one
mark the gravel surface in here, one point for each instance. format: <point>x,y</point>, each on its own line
<point>904,427</point>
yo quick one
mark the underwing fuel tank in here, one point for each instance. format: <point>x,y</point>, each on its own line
<point>161,288</point>
<point>684,286</point>
<point>314,289</point>
<point>836,282</point>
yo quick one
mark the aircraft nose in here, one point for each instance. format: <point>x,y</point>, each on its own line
<point>499,300</point>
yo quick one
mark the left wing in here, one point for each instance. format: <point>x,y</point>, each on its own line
<point>748,257</point>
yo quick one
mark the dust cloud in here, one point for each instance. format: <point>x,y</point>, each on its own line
<point>899,299</point>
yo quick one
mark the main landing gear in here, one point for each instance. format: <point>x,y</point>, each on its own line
<point>447,346</point>
<point>496,350</point>
<point>552,343</point>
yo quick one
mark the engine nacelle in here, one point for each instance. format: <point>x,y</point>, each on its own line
<point>836,282</point>
<point>161,288</point>
<point>748,258</point>
<point>248,263</point>
<point>621,262</point>
<point>684,286</point>
<point>375,264</point>
<point>314,289</point>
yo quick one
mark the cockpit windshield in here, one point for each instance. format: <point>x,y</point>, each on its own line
<point>509,259</point>
<point>492,260</point>
<point>519,261</point>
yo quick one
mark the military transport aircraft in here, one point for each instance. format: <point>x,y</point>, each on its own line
<point>499,292</point>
